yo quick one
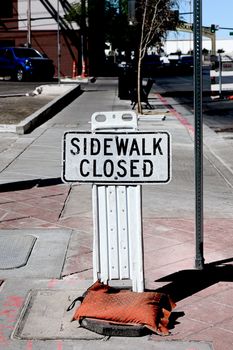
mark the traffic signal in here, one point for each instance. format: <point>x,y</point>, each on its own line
<point>212,28</point>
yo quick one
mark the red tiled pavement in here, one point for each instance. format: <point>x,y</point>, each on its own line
<point>33,207</point>
<point>204,301</point>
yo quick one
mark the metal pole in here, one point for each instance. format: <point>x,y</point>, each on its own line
<point>190,21</point>
<point>83,37</point>
<point>199,260</point>
<point>29,44</point>
<point>220,74</point>
<point>58,45</point>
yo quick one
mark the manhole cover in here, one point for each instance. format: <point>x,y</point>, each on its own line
<point>45,317</point>
<point>15,250</point>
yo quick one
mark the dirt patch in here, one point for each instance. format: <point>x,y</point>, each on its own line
<point>15,109</point>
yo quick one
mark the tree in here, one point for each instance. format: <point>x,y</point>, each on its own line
<point>117,28</point>
<point>108,21</point>
<point>156,18</point>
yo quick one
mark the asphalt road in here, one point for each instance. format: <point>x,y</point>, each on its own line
<point>218,115</point>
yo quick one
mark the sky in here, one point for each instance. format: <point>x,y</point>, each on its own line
<point>218,12</point>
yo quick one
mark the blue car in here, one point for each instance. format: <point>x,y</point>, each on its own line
<point>22,63</point>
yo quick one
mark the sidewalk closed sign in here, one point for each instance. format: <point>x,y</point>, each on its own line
<point>117,157</point>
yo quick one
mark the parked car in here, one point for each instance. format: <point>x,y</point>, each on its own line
<point>186,61</point>
<point>22,63</point>
<point>165,61</point>
<point>173,58</point>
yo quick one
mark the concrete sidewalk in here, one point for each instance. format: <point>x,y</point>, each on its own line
<point>50,223</point>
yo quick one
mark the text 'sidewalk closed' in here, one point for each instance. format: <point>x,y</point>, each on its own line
<point>108,157</point>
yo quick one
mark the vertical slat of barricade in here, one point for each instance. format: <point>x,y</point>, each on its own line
<point>112,232</point>
<point>123,230</point>
<point>100,247</point>
<point>117,250</point>
<point>135,237</point>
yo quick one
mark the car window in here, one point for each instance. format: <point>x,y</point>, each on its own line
<point>22,53</point>
<point>9,54</point>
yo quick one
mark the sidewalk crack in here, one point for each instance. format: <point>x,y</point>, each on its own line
<point>64,205</point>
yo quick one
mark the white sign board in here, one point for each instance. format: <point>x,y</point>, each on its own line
<point>117,157</point>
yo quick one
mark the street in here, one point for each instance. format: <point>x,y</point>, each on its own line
<point>218,115</point>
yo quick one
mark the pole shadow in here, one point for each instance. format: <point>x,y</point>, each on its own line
<point>188,282</point>
<point>185,283</point>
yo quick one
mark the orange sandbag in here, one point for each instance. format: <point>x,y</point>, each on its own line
<point>122,307</point>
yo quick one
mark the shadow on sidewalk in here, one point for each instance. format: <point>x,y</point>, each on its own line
<point>188,282</point>
<point>27,184</point>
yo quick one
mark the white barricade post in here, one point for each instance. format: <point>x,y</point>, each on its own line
<point>117,159</point>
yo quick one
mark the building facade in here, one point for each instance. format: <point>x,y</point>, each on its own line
<point>41,25</point>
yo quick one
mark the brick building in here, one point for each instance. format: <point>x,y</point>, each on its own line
<point>35,23</point>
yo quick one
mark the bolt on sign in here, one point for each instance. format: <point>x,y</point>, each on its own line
<point>117,157</point>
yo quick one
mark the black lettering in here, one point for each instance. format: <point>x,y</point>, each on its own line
<point>95,147</point>
<point>133,167</point>
<point>147,170</point>
<point>120,165</point>
<point>106,146</point>
<point>156,144</point>
<point>85,147</point>
<point>74,142</point>
<point>95,169</point>
<point>144,153</point>
<point>134,148</point>
<point>81,167</point>
<point>108,168</point>
<point>121,146</point>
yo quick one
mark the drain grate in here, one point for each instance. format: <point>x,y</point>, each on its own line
<point>15,250</point>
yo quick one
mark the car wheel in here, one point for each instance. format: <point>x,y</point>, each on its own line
<point>20,74</point>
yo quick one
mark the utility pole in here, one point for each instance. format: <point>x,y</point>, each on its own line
<point>190,21</point>
<point>29,43</point>
<point>58,45</point>
<point>96,37</point>
<point>83,38</point>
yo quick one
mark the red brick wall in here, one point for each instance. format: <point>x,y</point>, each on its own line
<point>45,41</point>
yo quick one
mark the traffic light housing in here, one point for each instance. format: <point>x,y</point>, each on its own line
<point>212,28</point>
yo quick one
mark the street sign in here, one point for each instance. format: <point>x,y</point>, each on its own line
<point>117,157</point>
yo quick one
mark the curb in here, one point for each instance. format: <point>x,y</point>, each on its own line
<point>43,114</point>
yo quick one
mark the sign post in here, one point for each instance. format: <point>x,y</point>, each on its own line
<point>197,30</point>
<point>117,159</point>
